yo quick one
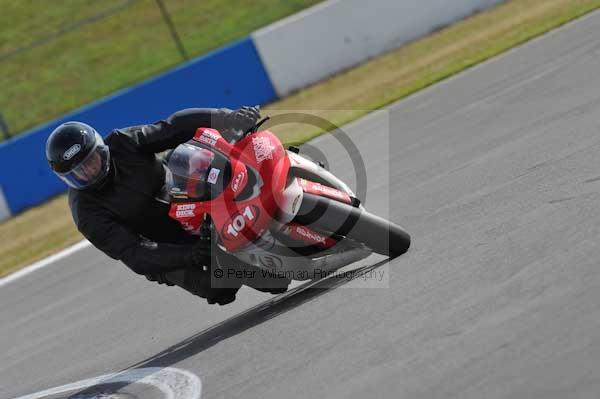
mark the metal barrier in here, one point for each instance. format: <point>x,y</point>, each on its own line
<point>229,77</point>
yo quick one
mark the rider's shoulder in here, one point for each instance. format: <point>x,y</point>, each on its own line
<point>83,205</point>
<point>124,136</point>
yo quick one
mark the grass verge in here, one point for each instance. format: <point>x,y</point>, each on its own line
<point>56,56</point>
<point>48,228</point>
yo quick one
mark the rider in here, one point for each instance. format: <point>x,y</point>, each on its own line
<point>113,190</point>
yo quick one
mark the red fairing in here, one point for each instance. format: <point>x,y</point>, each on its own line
<point>239,222</point>
<point>188,215</point>
<point>324,191</point>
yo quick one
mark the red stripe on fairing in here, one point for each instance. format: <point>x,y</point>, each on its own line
<point>324,191</point>
<point>304,234</point>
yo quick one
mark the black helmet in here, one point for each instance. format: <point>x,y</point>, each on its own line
<point>78,155</point>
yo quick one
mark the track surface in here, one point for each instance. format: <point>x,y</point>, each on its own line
<point>496,174</point>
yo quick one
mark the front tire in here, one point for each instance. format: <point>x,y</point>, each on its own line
<point>380,235</point>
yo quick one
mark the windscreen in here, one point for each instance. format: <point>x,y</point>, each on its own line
<point>196,173</point>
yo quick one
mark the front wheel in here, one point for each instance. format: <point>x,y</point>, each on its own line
<point>380,235</point>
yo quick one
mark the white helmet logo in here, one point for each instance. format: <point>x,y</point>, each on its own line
<point>71,152</point>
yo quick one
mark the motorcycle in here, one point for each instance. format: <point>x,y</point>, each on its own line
<point>272,208</point>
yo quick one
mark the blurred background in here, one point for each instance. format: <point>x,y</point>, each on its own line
<point>56,56</point>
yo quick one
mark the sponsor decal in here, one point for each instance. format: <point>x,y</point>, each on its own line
<point>71,152</point>
<point>311,235</point>
<point>184,214</point>
<point>240,222</point>
<point>235,185</point>
<point>271,262</point>
<point>185,210</point>
<point>213,175</point>
<point>327,191</point>
<point>209,138</point>
<point>263,149</point>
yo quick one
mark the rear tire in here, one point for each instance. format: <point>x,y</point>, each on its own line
<point>380,235</point>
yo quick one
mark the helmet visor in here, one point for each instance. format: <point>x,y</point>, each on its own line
<point>92,169</point>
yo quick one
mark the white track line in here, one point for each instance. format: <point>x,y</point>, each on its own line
<point>173,383</point>
<point>45,262</point>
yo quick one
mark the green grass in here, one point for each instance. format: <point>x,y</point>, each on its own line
<point>39,231</point>
<point>123,48</point>
<point>424,62</point>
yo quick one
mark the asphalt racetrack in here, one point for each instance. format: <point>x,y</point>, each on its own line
<point>496,175</point>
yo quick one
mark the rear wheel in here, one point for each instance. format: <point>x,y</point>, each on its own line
<point>380,235</point>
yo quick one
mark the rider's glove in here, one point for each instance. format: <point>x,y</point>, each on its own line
<point>242,119</point>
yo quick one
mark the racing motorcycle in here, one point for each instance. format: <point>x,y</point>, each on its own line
<point>272,208</point>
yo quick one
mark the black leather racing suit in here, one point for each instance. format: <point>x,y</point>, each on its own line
<point>124,219</point>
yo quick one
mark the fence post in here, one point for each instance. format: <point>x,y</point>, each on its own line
<point>172,29</point>
<point>4,127</point>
